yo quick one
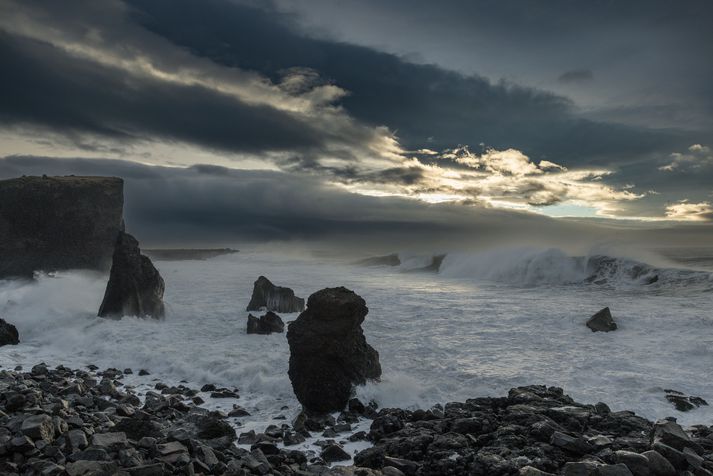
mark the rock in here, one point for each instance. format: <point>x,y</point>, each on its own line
<point>38,427</point>
<point>670,433</point>
<point>113,441</point>
<point>602,321</point>
<point>328,351</point>
<point>92,468</point>
<point>637,464</point>
<point>135,287</point>
<point>658,465</point>
<point>8,334</point>
<point>267,324</point>
<point>613,470</point>
<point>530,471</point>
<point>56,223</point>
<point>274,298</point>
<point>76,439</point>
<point>332,453</point>
<point>682,402</point>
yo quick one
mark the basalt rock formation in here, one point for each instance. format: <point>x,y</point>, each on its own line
<point>602,321</point>
<point>274,298</point>
<point>8,334</point>
<point>328,351</point>
<point>266,324</point>
<point>135,287</point>
<point>56,223</point>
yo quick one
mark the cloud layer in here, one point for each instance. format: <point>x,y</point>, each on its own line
<point>243,84</point>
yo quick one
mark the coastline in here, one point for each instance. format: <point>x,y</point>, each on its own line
<point>61,421</point>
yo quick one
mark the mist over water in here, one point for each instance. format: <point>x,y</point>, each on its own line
<point>484,323</point>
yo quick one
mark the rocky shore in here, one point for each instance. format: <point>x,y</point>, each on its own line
<point>59,421</point>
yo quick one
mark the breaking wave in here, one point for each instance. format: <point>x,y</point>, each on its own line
<point>536,267</point>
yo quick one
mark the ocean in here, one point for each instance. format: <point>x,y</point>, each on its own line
<point>483,323</point>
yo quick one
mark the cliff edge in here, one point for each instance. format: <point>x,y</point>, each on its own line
<point>55,223</point>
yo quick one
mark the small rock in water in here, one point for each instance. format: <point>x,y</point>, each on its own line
<point>602,321</point>
<point>266,324</point>
<point>682,402</point>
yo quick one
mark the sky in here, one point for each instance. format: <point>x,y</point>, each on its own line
<point>255,120</point>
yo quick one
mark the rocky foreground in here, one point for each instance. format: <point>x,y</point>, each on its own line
<point>58,421</point>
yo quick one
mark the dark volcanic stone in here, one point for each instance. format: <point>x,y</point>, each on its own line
<point>328,351</point>
<point>266,324</point>
<point>8,334</point>
<point>52,223</point>
<point>602,321</point>
<point>274,298</point>
<point>135,287</point>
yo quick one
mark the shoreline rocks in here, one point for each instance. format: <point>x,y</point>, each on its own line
<point>135,287</point>
<point>58,421</point>
<point>328,351</point>
<point>602,321</point>
<point>269,297</point>
<point>58,223</point>
<point>8,334</point>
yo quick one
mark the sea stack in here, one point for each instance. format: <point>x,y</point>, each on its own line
<point>8,334</point>
<point>328,351</point>
<point>269,297</point>
<point>58,223</point>
<point>135,287</point>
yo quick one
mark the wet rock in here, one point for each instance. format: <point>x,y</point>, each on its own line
<point>266,324</point>
<point>682,402</point>
<point>602,321</point>
<point>333,453</point>
<point>274,298</point>
<point>328,351</point>
<point>8,334</point>
<point>135,287</point>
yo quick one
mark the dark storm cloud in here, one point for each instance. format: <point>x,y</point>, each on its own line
<point>43,85</point>
<point>209,204</point>
<point>576,76</point>
<point>425,104</point>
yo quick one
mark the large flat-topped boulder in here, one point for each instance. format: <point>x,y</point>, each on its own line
<point>55,223</point>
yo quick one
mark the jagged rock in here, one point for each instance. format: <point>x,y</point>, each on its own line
<point>266,324</point>
<point>54,223</point>
<point>8,334</point>
<point>135,287</point>
<point>682,402</point>
<point>602,321</point>
<point>332,453</point>
<point>328,351</point>
<point>38,427</point>
<point>274,298</point>
<point>670,433</point>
